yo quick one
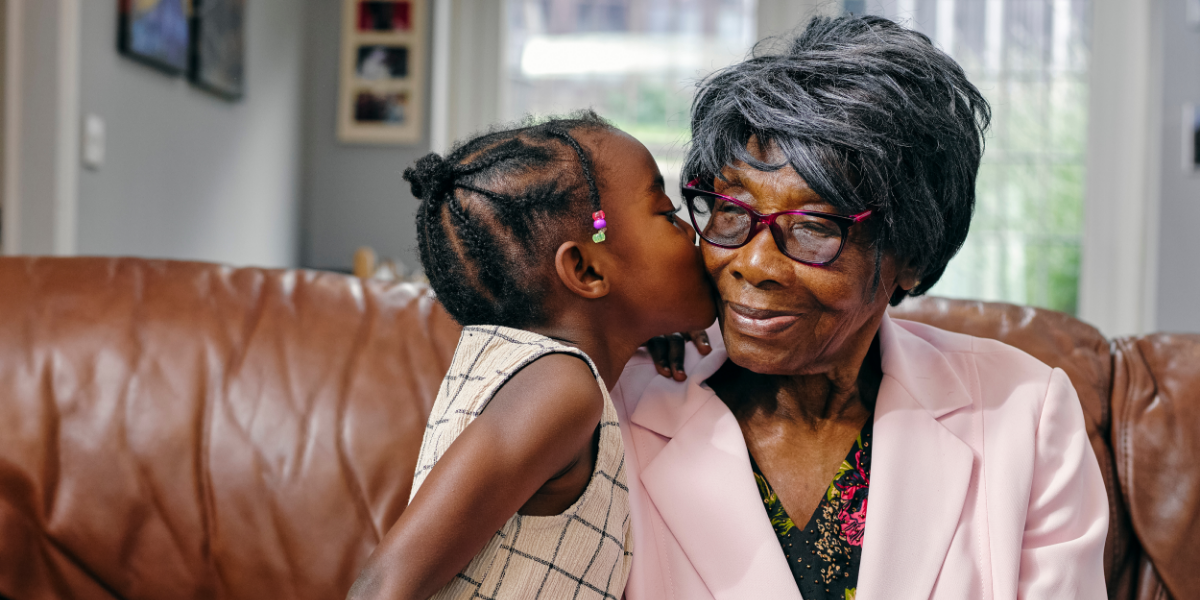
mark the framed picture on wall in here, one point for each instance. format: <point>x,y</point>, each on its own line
<point>218,54</point>
<point>382,78</point>
<point>155,32</point>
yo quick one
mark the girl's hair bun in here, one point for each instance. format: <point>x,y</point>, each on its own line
<point>431,177</point>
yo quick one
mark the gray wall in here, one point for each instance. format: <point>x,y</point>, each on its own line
<point>1178,243</point>
<point>44,194</point>
<point>353,194</point>
<point>189,175</point>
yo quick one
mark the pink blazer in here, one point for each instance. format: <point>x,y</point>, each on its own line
<point>983,484</point>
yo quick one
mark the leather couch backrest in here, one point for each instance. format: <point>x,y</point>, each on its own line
<point>1156,443</point>
<point>184,430</point>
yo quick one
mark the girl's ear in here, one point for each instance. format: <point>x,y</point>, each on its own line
<point>579,271</point>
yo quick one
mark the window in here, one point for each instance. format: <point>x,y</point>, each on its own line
<point>636,62</point>
<point>1030,60</point>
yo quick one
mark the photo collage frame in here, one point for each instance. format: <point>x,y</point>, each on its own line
<point>382,71</point>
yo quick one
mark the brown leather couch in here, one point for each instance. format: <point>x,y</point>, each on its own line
<point>184,430</point>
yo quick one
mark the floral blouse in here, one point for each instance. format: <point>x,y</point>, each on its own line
<point>825,553</point>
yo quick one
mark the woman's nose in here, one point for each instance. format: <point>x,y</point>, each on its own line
<point>760,263</point>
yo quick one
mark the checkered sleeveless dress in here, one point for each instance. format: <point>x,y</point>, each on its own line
<point>585,552</point>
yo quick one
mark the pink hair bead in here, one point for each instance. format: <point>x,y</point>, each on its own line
<point>599,223</point>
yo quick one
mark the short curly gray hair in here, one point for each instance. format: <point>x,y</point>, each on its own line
<point>872,116</point>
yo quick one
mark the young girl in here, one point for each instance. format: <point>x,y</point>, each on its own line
<point>556,248</point>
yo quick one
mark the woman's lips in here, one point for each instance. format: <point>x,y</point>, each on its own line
<point>758,321</point>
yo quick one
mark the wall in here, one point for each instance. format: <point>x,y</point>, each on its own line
<point>1178,281</point>
<point>189,175</point>
<point>40,176</point>
<point>1117,286</point>
<point>353,194</point>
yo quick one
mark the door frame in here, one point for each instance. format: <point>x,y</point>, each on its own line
<point>10,112</point>
<point>40,163</point>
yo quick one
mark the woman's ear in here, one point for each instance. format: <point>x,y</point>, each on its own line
<point>907,278</point>
<point>579,272</point>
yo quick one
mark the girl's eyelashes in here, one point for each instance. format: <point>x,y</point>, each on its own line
<point>671,214</point>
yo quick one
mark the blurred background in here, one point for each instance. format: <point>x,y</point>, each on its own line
<point>274,132</point>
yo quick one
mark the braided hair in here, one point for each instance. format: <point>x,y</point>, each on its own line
<point>494,211</point>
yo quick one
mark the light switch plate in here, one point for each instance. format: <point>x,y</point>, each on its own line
<point>93,142</point>
<point>1193,13</point>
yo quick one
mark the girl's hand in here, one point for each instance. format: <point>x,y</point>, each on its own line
<point>667,351</point>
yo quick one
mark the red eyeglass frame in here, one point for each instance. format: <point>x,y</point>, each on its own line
<point>759,220</point>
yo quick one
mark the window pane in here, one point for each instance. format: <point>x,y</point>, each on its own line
<point>636,62</point>
<point>1030,59</point>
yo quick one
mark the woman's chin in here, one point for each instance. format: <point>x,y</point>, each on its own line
<point>765,356</point>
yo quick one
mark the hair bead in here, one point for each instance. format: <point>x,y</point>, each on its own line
<point>599,223</point>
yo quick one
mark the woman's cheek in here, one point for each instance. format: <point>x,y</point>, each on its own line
<point>713,259</point>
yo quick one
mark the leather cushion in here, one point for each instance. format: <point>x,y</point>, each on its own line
<point>185,430</point>
<point>1156,436</point>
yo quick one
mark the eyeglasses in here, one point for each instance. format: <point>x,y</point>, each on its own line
<point>810,237</point>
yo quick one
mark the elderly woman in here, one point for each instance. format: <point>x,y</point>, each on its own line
<point>822,449</point>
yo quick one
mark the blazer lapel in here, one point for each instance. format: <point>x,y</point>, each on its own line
<point>703,487</point>
<point>920,471</point>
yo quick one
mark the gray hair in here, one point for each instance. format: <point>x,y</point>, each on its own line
<point>872,116</point>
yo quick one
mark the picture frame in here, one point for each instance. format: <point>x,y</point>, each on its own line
<point>156,33</point>
<point>218,51</point>
<point>382,80</point>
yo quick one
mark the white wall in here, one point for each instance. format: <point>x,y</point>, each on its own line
<point>1141,267</point>
<point>189,175</point>
<point>1117,275</point>
<point>1178,250</point>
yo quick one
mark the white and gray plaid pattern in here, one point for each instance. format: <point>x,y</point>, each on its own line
<point>585,552</point>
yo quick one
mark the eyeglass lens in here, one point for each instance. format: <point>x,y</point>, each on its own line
<point>805,237</point>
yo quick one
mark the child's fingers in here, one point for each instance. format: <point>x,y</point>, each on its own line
<point>667,352</point>
<point>700,339</point>
<point>675,345</point>
<point>657,347</point>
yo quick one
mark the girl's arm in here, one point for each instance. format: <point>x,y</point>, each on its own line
<point>538,425</point>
